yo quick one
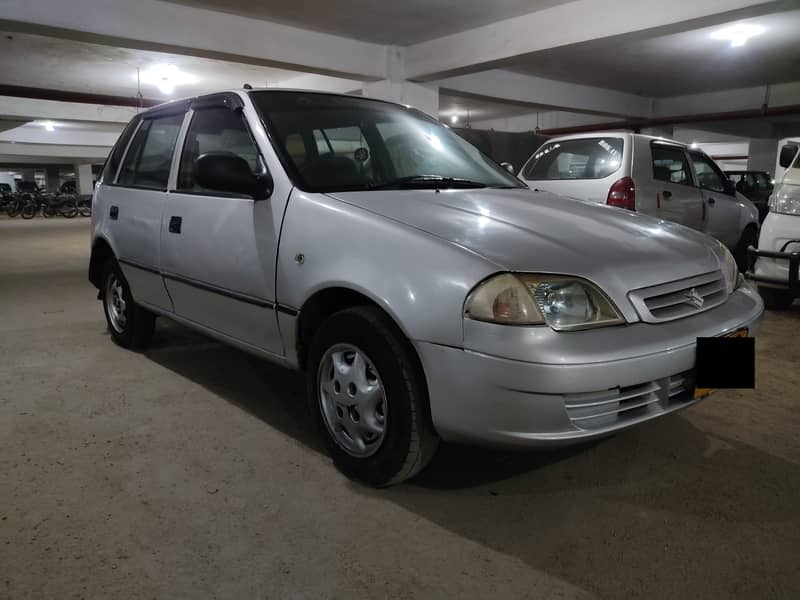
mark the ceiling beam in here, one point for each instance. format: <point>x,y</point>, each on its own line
<point>171,27</point>
<point>503,42</point>
<point>56,110</point>
<point>53,152</point>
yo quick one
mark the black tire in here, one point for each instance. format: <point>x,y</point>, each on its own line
<point>69,212</point>
<point>29,211</point>
<point>48,211</point>
<point>14,209</point>
<point>140,323</point>
<point>85,210</point>
<point>749,238</point>
<point>409,441</point>
<point>776,299</point>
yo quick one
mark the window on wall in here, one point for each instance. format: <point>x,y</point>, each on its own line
<point>669,164</point>
<point>215,130</point>
<point>709,175</point>
<point>149,157</point>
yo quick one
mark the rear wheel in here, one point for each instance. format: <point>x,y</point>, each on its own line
<point>29,211</point>
<point>776,299</point>
<point>369,398</point>
<point>131,325</point>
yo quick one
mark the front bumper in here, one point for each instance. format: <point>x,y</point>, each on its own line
<point>498,401</point>
<point>774,273</point>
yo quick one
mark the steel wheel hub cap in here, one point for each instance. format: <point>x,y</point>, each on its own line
<point>115,303</point>
<point>352,400</point>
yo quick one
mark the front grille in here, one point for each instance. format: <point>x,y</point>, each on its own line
<point>595,410</point>
<point>679,299</point>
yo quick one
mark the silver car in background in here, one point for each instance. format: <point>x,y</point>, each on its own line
<point>426,293</point>
<point>651,175</point>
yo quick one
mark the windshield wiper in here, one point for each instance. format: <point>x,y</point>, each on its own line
<point>425,181</point>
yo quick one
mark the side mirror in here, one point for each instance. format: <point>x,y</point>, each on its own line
<point>787,155</point>
<point>228,172</point>
<point>508,167</point>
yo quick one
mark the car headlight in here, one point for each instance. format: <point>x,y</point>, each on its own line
<point>562,302</point>
<point>785,199</point>
<point>729,269</point>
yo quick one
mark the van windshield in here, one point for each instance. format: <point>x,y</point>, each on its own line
<point>334,143</point>
<point>583,158</point>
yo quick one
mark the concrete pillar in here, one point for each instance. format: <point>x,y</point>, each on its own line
<point>396,88</point>
<point>85,180</point>
<point>763,155</point>
<point>53,181</point>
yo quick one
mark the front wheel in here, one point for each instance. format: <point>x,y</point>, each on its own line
<point>369,398</point>
<point>749,238</point>
<point>131,325</point>
<point>776,299</point>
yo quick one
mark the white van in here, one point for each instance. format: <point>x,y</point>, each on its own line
<point>777,260</point>
<point>651,175</point>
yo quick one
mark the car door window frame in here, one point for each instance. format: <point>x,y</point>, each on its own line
<point>714,167</point>
<point>147,120</point>
<point>181,144</point>
<point>688,167</point>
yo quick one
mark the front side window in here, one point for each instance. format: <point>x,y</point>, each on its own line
<point>709,176</point>
<point>669,164</point>
<point>113,160</point>
<point>215,130</point>
<point>331,143</point>
<point>583,158</point>
<point>149,156</point>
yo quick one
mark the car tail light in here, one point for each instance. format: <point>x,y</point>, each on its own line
<point>622,194</point>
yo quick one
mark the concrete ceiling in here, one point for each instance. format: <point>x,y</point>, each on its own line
<point>470,109</point>
<point>398,23</point>
<point>56,63</point>
<point>679,63</point>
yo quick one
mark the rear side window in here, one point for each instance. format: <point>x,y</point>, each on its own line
<point>669,164</point>
<point>149,157</point>
<point>215,130</point>
<point>585,158</point>
<point>113,160</point>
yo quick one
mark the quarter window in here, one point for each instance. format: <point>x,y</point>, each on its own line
<point>708,174</point>
<point>669,164</point>
<point>149,157</point>
<point>215,130</point>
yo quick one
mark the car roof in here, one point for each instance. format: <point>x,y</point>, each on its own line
<point>616,133</point>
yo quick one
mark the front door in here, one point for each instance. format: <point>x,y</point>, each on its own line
<point>677,199</point>
<point>218,249</point>
<point>722,207</point>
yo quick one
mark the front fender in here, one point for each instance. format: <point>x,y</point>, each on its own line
<point>420,280</point>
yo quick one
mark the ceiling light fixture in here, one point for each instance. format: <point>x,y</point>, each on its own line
<point>693,145</point>
<point>738,34</point>
<point>49,125</point>
<point>166,77</point>
<point>454,119</point>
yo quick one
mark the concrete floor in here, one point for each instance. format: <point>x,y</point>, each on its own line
<point>190,471</point>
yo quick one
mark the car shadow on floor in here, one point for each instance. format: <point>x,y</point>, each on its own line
<point>661,510</point>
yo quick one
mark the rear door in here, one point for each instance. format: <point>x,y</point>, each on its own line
<point>677,199</point>
<point>135,202</point>
<point>219,249</point>
<point>721,205</point>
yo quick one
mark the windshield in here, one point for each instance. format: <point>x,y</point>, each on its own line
<point>335,143</point>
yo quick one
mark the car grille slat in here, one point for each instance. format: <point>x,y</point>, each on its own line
<point>674,300</point>
<point>599,409</point>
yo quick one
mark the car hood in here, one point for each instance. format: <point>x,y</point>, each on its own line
<point>523,230</point>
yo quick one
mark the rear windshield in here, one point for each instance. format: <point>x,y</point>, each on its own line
<point>585,158</point>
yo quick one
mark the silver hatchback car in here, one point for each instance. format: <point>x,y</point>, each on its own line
<point>426,292</point>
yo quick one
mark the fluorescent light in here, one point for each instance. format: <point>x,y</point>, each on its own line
<point>454,119</point>
<point>738,34</point>
<point>693,145</point>
<point>166,77</point>
<point>49,125</point>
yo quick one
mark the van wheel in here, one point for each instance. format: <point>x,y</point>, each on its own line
<point>776,299</point>
<point>131,326</point>
<point>369,398</point>
<point>749,238</point>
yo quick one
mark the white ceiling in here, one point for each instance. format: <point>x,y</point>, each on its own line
<point>680,63</point>
<point>55,63</point>
<point>399,23</point>
<point>471,109</point>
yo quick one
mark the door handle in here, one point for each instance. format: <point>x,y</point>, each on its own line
<point>667,194</point>
<point>711,201</point>
<point>175,224</point>
<point>113,213</point>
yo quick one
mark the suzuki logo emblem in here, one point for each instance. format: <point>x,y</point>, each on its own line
<point>692,297</point>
